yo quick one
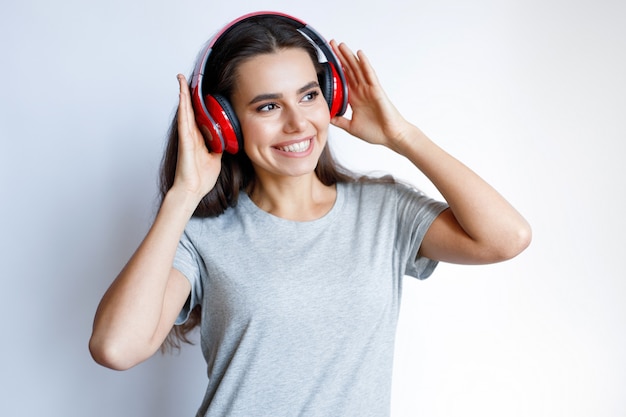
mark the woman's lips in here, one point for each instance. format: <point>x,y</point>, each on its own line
<point>299,147</point>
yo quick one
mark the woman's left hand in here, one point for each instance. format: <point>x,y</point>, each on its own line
<point>480,226</point>
<point>374,118</point>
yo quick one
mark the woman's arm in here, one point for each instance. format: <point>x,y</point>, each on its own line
<point>480,226</point>
<point>140,307</point>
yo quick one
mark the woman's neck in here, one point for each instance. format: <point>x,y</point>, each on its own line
<point>302,198</point>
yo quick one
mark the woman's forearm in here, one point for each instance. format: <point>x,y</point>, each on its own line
<point>128,322</point>
<point>484,215</point>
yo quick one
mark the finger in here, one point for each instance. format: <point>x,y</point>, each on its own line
<point>343,59</point>
<point>352,63</point>
<point>184,105</point>
<point>187,127</point>
<point>335,48</point>
<point>341,122</point>
<point>367,69</point>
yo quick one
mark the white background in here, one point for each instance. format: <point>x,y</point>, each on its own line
<point>531,94</point>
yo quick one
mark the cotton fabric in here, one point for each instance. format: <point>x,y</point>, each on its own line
<point>299,318</point>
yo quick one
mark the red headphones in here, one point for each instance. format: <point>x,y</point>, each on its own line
<point>214,114</point>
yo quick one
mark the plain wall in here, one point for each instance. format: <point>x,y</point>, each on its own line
<point>530,94</point>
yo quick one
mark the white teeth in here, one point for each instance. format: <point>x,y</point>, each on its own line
<point>296,147</point>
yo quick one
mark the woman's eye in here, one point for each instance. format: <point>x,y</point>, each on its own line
<point>267,107</point>
<point>310,96</point>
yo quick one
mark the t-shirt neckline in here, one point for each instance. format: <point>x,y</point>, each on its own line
<point>247,204</point>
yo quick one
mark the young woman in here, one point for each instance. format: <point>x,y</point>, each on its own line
<point>292,266</point>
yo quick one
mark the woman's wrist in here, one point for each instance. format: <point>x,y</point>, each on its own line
<point>406,140</point>
<point>182,199</point>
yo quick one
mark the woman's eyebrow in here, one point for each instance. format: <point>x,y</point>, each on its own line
<point>312,84</point>
<point>274,96</point>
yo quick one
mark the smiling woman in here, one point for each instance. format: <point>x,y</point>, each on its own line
<point>283,118</point>
<point>291,266</point>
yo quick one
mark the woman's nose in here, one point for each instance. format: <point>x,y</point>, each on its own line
<point>295,120</point>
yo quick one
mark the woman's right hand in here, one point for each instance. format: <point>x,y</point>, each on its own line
<point>197,169</point>
<point>140,307</point>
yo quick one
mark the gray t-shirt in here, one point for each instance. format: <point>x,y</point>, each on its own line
<point>299,318</point>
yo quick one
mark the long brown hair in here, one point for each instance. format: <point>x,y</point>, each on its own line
<point>260,35</point>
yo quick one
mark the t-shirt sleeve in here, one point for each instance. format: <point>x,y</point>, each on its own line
<point>187,261</point>
<point>416,212</point>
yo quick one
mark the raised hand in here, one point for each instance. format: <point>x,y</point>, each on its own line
<point>197,169</point>
<point>374,118</point>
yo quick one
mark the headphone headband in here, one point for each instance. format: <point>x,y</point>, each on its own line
<point>214,115</point>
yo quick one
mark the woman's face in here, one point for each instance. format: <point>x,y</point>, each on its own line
<point>284,117</point>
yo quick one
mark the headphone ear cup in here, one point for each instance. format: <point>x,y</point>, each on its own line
<point>334,89</point>
<point>327,86</point>
<point>222,112</point>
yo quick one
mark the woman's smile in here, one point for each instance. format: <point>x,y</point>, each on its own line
<point>283,114</point>
<point>298,149</point>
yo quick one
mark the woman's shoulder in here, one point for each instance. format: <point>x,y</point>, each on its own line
<point>385,186</point>
<point>215,222</point>
<point>388,192</point>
